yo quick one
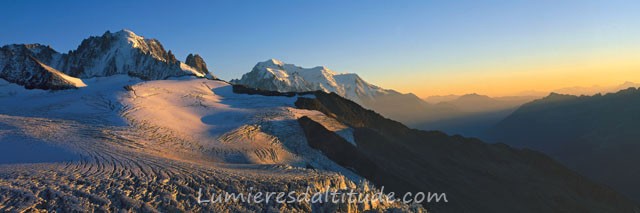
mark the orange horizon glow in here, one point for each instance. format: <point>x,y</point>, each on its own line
<point>607,68</point>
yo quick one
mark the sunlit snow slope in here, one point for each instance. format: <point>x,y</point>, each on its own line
<point>121,143</point>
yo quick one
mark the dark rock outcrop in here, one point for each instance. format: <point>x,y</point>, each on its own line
<point>241,89</point>
<point>197,62</point>
<point>23,66</point>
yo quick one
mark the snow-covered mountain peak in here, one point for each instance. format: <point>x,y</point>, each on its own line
<point>126,33</point>
<point>124,40</point>
<point>128,37</point>
<point>272,62</point>
<point>112,53</point>
<point>284,70</point>
<point>132,38</point>
<point>124,52</point>
<point>276,75</point>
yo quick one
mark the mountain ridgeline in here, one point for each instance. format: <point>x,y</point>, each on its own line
<point>470,115</point>
<point>594,135</point>
<point>122,52</point>
<point>476,176</point>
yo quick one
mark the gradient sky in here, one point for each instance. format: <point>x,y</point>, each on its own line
<point>425,47</point>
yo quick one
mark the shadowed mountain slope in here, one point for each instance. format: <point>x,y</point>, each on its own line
<point>476,176</point>
<point>595,135</point>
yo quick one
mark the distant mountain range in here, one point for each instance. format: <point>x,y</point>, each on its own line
<point>581,90</point>
<point>122,52</point>
<point>434,99</point>
<point>595,135</point>
<point>472,114</point>
<point>592,90</point>
<point>475,103</point>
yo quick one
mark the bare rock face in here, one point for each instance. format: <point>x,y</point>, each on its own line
<point>197,62</point>
<point>22,66</point>
<point>122,52</point>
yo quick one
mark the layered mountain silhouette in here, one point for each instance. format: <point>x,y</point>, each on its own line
<point>595,135</point>
<point>476,176</point>
<point>595,89</point>
<point>471,114</point>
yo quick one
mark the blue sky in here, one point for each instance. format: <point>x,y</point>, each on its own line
<point>412,46</point>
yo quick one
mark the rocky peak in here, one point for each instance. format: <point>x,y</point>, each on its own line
<point>123,52</point>
<point>43,53</point>
<point>197,63</point>
<point>25,69</point>
<point>118,53</point>
<point>271,62</point>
